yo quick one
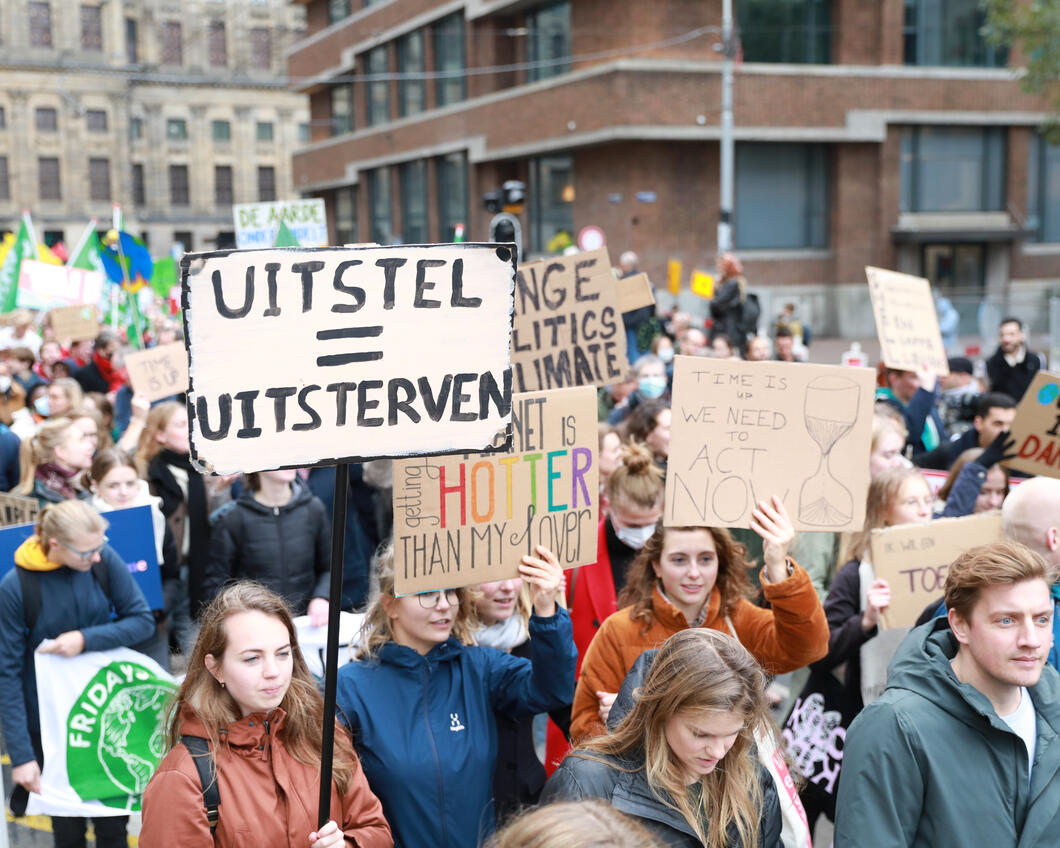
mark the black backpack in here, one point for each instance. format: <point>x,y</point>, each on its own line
<point>199,749</point>
<point>31,594</point>
<point>750,312</point>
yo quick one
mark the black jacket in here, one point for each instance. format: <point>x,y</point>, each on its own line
<point>842,608</point>
<point>1013,380</point>
<point>90,379</point>
<point>288,548</point>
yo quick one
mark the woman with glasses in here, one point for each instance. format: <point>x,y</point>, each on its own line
<point>60,565</point>
<point>420,700</point>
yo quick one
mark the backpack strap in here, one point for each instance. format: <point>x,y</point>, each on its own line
<point>199,749</point>
<point>31,597</point>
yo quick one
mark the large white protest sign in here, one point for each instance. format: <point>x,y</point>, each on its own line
<point>101,721</point>
<point>302,357</point>
<point>258,223</point>
<point>43,286</point>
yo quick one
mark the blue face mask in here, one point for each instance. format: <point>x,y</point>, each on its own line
<point>41,405</point>
<point>666,354</point>
<point>651,387</point>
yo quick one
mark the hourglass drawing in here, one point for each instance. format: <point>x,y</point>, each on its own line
<point>830,410</point>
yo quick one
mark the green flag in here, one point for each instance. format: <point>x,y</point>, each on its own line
<point>23,248</point>
<point>284,236</point>
<point>164,277</point>
<point>86,254</point>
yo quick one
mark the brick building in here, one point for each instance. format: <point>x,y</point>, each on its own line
<point>885,133</point>
<point>175,110</point>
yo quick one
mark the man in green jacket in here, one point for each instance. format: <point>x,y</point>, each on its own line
<point>962,748</point>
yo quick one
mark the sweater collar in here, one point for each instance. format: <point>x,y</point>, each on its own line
<point>31,556</point>
<point>248,732</point>
<point>671,617</point>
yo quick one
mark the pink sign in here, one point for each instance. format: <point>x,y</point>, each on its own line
<point>42,286</point>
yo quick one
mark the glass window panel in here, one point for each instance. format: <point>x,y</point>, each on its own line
<point>222,185</point>
<point>221,130</point>
<point>139,194</point>
<point>5,181</point>
<point>549,39</point>
<point>953,169</point>
<point>263,131</point>
<point>798,31</point>
<point>337,10</point>
<point>449,59</point>
<point>378,89</point>
<point>217,45</point>
<point>46,119</point>
<point>96,120</point>
<point>49,185</point>
<point>412,93</point>
<point>379,202</point>
<point>414,202</point>
<point>91,28</point>
<point>177,129</point>
<point>40,24</point>
<point>99,179</point>
<point>266,183</point>
<point>452,193</point>
<point>172,43</point>
<point>948,32</point>
<point>178,185</point>
<point>341,108</point>
<point>132,38</point>
<point>261,48</point>
<point>781,196</point>
<point>551,199</point>
<point>346,216</point>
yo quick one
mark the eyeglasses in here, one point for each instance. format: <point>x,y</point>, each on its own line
<point>429,600</point>
<point>85,554</point>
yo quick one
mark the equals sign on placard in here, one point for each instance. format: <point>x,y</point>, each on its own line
<point>350,333</point>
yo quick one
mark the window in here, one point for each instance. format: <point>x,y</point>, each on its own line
<point>5,182</point>
<point>412,93</point>
<point>798,31</point>
<point>341,109</point>
<point>226,240</point>
<point>182,238</point>
<point>222,185</point>
<point>138,193</point>
<point>449,59</point>
<point>337,10</point>
<point>221,130</point>
<point>172,43</point>
<point>176,129</point>
<point>136,129</point>
<point>379,206</point>
<point>3,118</point>
<point>346,215</point>
<point>263,131</point>
<point>552,199</point>
<point>452,193</point>
<point>1043,189</point>
<point>91,28</point>
<point>413,177</point>
<point>178,185</point>
<point>96,120</point>
<point>952,169</point>
<point>260,48</point>
<point>303,133</point>
<point>132,39</point>
<point>947,32</point>
<point>48,178</point>
<point>781,196</point>
<point>266,183</point>
<point>99,179</point>
<point>549,40</point>
<point>378,89</point>
<point>40,24</point>
<point>46,119</point>
<point>217,45</point>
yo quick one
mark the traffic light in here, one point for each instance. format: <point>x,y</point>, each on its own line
<point>505,229</point>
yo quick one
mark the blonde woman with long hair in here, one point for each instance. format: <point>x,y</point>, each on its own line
<point>250,695</point>
<point>421,700</point>
<point>54,462</point>
<point>682,761</point>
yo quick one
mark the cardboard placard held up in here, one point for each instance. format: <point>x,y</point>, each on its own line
<point>906,322</point>
<point>1036,427</point>
<point>634,292</point>
<point>743,431</point>
<point>914,558</point>
<point>568,327</point>
<point>17,510</point>
<point>313,356</point>
<point>460,520</point>
<point>159,372</point>
<point>76,323</point>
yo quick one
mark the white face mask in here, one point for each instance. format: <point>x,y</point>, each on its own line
<point>634,537</point>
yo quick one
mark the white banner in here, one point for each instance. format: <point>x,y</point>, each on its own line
<point>101,719</point>
<point>257,223</point>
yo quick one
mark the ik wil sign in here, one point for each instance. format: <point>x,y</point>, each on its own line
<point>311,356</point>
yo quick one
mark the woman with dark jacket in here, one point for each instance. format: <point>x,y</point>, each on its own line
<point>421,700</point>
<point>683,760</point>
<point>277,533</point>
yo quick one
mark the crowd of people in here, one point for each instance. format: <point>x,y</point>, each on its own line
<point>653,665</point>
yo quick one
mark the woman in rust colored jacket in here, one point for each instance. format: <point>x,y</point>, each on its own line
<point>697,577</point>
<point>249,694</point>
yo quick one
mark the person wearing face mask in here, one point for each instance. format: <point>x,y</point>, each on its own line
<point>697,577</point>
<point>663,347</point>
<point>651,385</point>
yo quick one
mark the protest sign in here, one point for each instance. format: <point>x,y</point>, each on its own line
<point>568,327</point>
<point>101,721</point>
<point>258,223</point>
<point>906,322</point>
<point>1036,427</point>
<point>470,519</point>
<point>313,641</point>
<point>674,270</point>
<point>17,510</point>
<point>301,357</point>
<point>743,431</point>
<point>914,558</point>
<point>74,323</point>
<point>702,284</point>
<point>159,372</point>
<point>634,292</point>
<point>43,286</point>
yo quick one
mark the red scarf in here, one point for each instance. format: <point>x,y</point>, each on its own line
<point>115,377</point>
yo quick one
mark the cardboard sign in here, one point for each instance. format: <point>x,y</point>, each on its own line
<point>634,292</point>
<point>1036,427</point>
<point>43,286</point>
<point>568,327</point>
<point>743,431</point>
<point>906,322</point>
<point>914,558</point>
<point>18,510</point>
<point>307,357</point>
<point>470,519</point>
<point>258,223</point>
<point>76,323</point>
<point>159,372</point>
